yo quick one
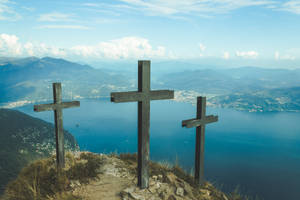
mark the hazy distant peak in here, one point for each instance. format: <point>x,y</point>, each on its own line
<point>51,59</point>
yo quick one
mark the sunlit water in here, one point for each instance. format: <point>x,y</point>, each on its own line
<point>259,152</point>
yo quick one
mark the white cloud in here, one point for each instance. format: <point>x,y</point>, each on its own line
<point>9,45</point>
<point>287,57</point>
<point>291,6</point>
<point>192,7</point>
<point>284,57</point>
<point>63,27</point>
<point>123,48</point>
<point>30,9</point>
<point>202,47</point>
<point>55,17</point>
<point>7,12</point>
<point>41,49</point>
<point>226,55</point>
<point>247,54</point>
<point>29,48</point>
<point>276,55</point>
<point>91,4</point>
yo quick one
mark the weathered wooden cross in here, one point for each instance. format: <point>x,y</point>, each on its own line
<point>143,96</point>
<point>199,122</point>
<point>58,107</point>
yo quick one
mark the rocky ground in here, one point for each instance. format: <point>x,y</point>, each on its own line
<point>89,176</point>
<point>117,181</point>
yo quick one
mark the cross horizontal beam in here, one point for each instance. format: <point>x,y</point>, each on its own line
<point>119,97</point>
<point>55,106</point>
<point>198,122</point>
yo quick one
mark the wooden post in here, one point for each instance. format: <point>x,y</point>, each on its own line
<point>143,96</point>
<point>199,122</point>
<point>57,107</point>
<point>143,124</point>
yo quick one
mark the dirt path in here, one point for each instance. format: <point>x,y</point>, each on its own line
<point>112,180</point>
<point>117,181</point>
<point>108,187</point>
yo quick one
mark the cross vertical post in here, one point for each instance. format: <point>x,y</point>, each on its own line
<point>143,96</point>
<point>58,117</point>
<point>200,139</point>
<point>199,122</point>
<point>143,124</point>
<point>57,106</point>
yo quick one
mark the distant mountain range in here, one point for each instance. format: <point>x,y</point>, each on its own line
<point>226,81</point>
<point>252,89</point>
<point>29,78</point>
<point>249,88</point>
<point>24,139</point>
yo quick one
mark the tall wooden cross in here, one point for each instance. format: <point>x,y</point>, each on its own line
<point>199,122</point>
<point>58,107</point>
<point>143,96</point>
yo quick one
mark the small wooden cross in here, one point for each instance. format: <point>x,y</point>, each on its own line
<point>200,122</point>
<point>143,96</point>
<point>58,107</point>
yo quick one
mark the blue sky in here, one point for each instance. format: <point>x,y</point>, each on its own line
<point>223,32</point>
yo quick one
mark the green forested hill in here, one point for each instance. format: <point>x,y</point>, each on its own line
<point>23,139</point>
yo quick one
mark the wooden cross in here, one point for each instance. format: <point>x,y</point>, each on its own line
<point>143,96</point>
<point>58,107</point>
<point>199,122</point>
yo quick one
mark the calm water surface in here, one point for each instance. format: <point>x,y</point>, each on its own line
<point>259,152</point>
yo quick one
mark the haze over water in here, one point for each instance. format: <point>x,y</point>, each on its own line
<point>260,152</point>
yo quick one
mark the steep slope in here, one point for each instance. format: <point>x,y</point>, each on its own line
<point>23,139</point>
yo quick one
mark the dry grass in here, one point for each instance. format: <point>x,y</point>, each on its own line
<point>41,181</point>
<point>237,195</point>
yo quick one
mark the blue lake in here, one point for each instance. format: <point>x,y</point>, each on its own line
<point>259,152</point>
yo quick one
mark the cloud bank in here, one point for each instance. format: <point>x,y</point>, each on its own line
<point>123,48</point>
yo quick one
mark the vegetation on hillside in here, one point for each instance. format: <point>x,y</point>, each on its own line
<point>41,180</point>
